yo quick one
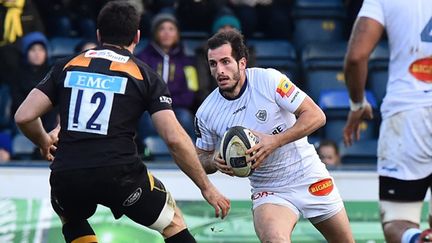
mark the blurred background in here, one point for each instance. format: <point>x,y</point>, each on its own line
<point>304,39</point>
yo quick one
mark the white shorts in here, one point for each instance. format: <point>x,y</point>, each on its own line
<point>315,195</point>
<point>405,145</point>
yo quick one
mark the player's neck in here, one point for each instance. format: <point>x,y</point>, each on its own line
<point>238,90</point>
<point>130,48</point>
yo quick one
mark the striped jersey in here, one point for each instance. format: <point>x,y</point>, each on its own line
<point>266,104</point>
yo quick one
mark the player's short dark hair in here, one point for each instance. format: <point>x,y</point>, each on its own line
<point>118,22</point>
<point>328,142</point>
<point>232,37</point>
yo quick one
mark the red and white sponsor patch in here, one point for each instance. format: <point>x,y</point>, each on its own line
<point>322,187</point>
<point>421,69</point>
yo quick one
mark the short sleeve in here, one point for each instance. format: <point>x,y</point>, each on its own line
<point>159,97</point>
<point>372,9</point>
<point>205,139</point>
<point>48,84</point>
<point>287,95</point>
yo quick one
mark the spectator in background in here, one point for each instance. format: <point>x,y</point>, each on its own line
<point>328,152</point>
<point>5,147</point>
<point>17,17</point>
<point>166,56</point>
<point>271,17</point>
<point>33,68</point>
<point>85,45</point>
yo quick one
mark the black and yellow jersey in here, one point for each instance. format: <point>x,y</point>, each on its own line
<point>101,94</point>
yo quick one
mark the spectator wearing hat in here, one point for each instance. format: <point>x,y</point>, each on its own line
<point>33,68</point>
<point>165,55</point>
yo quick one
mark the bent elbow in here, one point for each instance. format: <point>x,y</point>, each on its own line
<point>354,58</point>
<point>20,117</point>
<point>322,120</point>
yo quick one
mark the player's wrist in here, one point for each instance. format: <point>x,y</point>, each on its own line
<point>356,106</point>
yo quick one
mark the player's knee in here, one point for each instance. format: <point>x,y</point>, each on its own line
<point>274,236</point>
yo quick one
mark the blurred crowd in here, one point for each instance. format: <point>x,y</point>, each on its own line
<point>28,26</point>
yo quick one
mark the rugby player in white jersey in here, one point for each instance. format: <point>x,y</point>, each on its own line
<point>289,178</point>
<point>405,140</point>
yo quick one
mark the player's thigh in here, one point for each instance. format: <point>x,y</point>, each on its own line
<point>274,222</point>
<point>336,228</point>
<point>402,200</point>
<point>71,197</point>
<point>143,198</point>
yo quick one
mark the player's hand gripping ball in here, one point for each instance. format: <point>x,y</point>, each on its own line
<point>234,144</point>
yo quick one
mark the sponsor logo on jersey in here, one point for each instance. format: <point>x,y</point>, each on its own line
<point>239,109</point>
<point>295,96</point>
<point>322,187</point>
<point>279,129</point>
<point>261,115</point>
<point>285,88</point>
<point>106,54</point>
<point>133,198</point>
<point>95,81</point>
<point>165,99</point>
<point>421,69</point>
<point>258,195</point>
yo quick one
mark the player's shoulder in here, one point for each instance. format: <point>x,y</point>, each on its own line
<point>208,105</point>
<point>256,74</point>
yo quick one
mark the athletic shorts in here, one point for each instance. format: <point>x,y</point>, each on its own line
<point>392,189</point>
<point>314,195</point>
<point>125,189</point>
<point>405,145</point>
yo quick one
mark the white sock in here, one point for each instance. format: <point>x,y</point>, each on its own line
<point>410,235</point>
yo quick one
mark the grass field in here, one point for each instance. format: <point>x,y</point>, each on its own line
<point>33,221</point>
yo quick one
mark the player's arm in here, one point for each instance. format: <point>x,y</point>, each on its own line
<point>364,37</point>
<point>27,118</point>
<point>309,118</point>
<point>185,156</point>
<point>206,158</point>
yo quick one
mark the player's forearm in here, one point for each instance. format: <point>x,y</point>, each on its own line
<point>308,121</point>
<point>355,75</point>
<point>186,158</point>
<point>206,159</point>
<point>34,131</point>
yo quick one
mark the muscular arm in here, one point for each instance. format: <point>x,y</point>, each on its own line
<point>181,146</point>
<point>364,37</point>
<point>309,118</point>
<point>28,116</point>
<point>206,159</point>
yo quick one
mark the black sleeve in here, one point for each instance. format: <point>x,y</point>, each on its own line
<point>159,97</point>
<point>49,83</point>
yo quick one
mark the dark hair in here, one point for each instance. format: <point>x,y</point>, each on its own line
<point>327,142</point>
<point>232,37</point>
<point>118,22</point>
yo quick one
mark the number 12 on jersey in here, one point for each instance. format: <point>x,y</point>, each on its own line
<point>91,100</point>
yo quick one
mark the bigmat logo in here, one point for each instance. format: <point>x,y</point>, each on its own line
<point>322,187</point>
<point>422,69</point>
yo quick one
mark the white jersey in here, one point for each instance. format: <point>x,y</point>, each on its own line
<point>265,104</point>
<point>409,29</point>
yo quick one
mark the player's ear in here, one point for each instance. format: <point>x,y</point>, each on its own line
<point>137,37</point>
<point>242,63</point>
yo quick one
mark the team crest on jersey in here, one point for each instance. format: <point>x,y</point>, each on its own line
<point>133,198</point>
<point>421,69</point>
<point>106,54</point>
<point>261,115</point>
<point>285,87</point>
<point>322,187</point>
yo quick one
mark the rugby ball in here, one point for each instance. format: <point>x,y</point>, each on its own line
<point>234,144</point>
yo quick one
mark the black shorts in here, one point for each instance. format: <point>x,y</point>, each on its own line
<point>392,189</point>
<point>125,189</point>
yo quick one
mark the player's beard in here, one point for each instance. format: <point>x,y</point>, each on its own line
<point>230,89</point>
